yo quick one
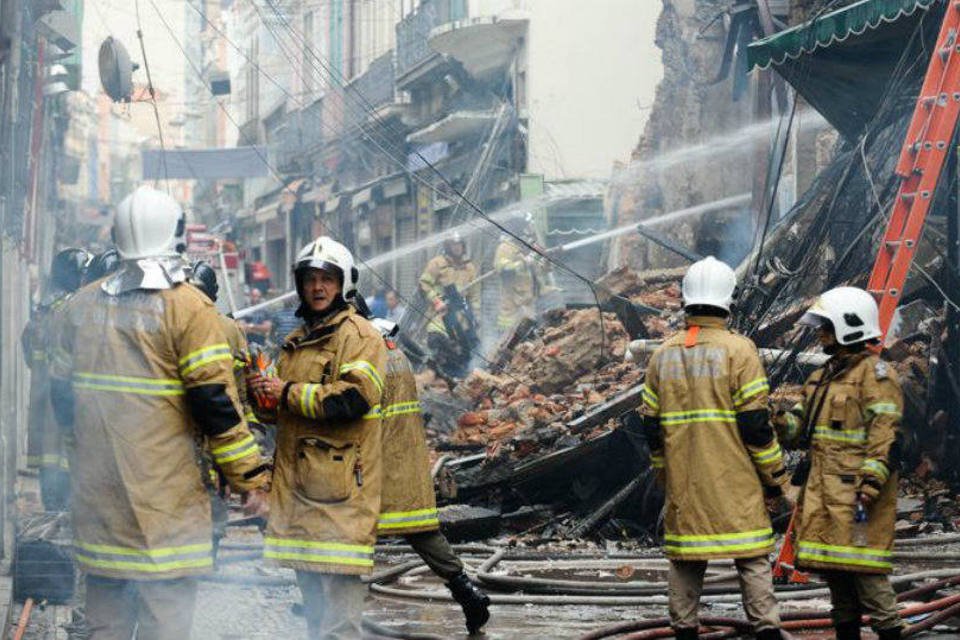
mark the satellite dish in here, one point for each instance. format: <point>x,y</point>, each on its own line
<point>116,70</point>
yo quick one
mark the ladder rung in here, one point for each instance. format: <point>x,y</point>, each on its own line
<point>893,243</point>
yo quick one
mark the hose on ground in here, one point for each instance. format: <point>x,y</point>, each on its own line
<point>381,631</point>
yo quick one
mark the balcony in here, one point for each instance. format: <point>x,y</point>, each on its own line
<point>374,90</point>
<point>457,125</point>
<point>413,34</point>
<point>483,45</point>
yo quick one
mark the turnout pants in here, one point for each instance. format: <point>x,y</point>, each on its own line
<point>685,585</point>
<point>433,547</point>
<point>332,605</point>
<point>145,610</point>
<point>853,594</point>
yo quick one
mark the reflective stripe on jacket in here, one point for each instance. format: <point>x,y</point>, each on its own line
<point>705,396</point>
<point>150,374</point>
<point>408,503</point>
<point>852,441</point>
<point>518,284</point>
<point>325,498</point>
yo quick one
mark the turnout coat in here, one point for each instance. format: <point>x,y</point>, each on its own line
<point>325,499</point>
<point>851,410</point>
<point>705,418</point>
<point>409,504</point>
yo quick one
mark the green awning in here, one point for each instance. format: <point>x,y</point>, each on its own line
<point>842,63</point>
<point>830,28</point>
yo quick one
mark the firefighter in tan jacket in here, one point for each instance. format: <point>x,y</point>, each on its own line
<point>325,499</point>
<point>46,449</point>
<point>408,505</point>
<point>705,419</point>
<point>850,421</point>
<point>141,370</point>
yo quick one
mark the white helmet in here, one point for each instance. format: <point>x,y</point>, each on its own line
<point>852,311</point>
<point>149,224</point>
<point>709,282</point>
<point>328,254</point>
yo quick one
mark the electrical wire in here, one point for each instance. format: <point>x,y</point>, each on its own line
<point>153,96</point>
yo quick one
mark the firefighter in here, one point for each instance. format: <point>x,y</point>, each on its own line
<point>452,268</point>
<point>325,499</point>
<point>521,279</point>
<point>45,443</point>
<point>850,421</point>
<point>706,423</point>
<point>204,278</point>
<point>102,265</point>
<point>141,367</point>
<point>408,505</point>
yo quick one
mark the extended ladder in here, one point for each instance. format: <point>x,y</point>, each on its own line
<point>924,153</point>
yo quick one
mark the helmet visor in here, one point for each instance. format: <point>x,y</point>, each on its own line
<point>815,320</point>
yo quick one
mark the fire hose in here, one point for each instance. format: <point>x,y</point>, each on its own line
<point>942,609</point>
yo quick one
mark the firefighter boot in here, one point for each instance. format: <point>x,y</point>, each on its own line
<point>890,634</point>
<point>769,634</point>
<point>687,633</point>
<point>847,630</point>
<point>475,603</point>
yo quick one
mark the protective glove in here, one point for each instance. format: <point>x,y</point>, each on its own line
<point>439,305</point>
<point>868,491</point>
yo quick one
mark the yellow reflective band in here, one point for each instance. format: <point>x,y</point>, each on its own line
<point>773,454</point>
<point>235,450</point>
<point>698,415</point>
<point>839,435</point>
<point>405,519</point>
<point>650,397</point>
<point>374,413</point>
<point>657,462</point>
<point>877,468</point>
<point>319,552</point>
<point>250,416</point>
<point>145,560</point>
<point>196,359</point>
<point>128,384</point>
<point>49,460</point>
<point>749,390</point>
<point>239,363</point>
<point>402,408</point>
<point>841,555</point>
<point>366,369</point>
<point>306,401</point>
<point>718,543</point>
<point>882,409</point>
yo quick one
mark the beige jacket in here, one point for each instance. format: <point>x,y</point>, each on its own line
<point>442,271</point>
<point>145,374</point>
<point>325,499</point>
<point>408,504</point>
<point>705,396</point>
<point>852,441</point>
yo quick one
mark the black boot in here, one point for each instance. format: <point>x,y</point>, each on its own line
<point>847,630</point>
<point>686,633</point>
<point>475,603</point>
<point>890,634</point>
<point>769,634</point>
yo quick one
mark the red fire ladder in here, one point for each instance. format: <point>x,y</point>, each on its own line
<point>924,153</point>
<point>921,161</point>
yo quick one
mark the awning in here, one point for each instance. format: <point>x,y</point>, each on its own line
<point>361,198</point>
<point>267,213</point>
<point>331,205</point>
<point>841,63</point>
<point>395,188</point>
<point>318,194</point>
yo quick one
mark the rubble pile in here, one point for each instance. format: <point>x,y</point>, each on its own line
<point>570,362</point>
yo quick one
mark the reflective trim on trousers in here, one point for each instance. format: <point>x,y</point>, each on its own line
<point>759,540</point>
<point>127,384</point>
<point>841,555</point>
<point>320,552</point>
<point>405,519</point>
<point>102,556</point>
